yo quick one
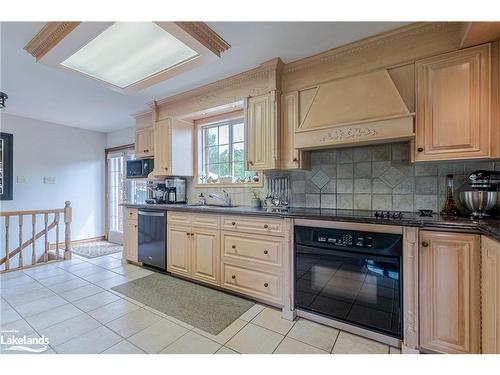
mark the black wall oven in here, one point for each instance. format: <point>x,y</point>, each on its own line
<point>354,277</point>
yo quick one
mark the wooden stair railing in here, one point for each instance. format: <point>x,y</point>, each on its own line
<point>9,254</point>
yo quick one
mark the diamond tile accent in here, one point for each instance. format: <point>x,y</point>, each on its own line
<point>320,179</point>
<point>392,177</point>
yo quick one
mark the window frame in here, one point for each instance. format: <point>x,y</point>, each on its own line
<point>201,146</point>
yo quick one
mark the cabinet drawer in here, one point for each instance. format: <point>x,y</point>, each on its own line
<point>205,221</point>
<point>182,218</point>
<point>253,225</point>
<point>130,213</point>
<point>253,248</point>
<point>261,285</point>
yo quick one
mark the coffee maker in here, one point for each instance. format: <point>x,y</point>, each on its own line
<point>480,195</point>
<point>175,190</point>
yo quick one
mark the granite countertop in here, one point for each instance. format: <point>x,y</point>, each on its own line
<point>490,227</point>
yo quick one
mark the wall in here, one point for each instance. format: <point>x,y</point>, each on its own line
<point>120,137</point>
<point>73,157</point>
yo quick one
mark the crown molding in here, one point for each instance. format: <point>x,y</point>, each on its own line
<point>205,35</point>
<point>51,34</point>
<point>409,32</point>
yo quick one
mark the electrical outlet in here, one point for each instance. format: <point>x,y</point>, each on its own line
<point>21,179</point>
<point>49,180</point>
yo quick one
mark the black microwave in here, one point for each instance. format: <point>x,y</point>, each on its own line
<point>139,168</point>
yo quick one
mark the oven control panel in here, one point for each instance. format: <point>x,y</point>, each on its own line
<point>346,239</point>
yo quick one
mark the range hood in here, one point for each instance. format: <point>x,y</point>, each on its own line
<point>367,108</point>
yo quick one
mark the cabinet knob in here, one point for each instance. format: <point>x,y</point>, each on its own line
<point>266,285</point>
<point>234,246</point>
<point>233,277</point>
<point>250,162</point>
<point>135,226</point>
<point>266,226</point>
<point>188,234</point>
<point>166,168</point>
<point>233,223</point>
<point>192,234</point>
<point>420,149</point>
<point>146,150</point>
<point>266,252</point>
<point>295,160</point>
<point>425,243</point>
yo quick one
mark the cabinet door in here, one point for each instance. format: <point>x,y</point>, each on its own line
<point>261,132</point>
<point>205,255</point>
<point>130,240</point>
<point>449,292</point>
<point>162,146</point>
<point>178,250</point>
<point>453,105</point>
<point>144,143</point>
<point>490,296</point>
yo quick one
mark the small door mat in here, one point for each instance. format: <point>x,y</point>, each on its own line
<point>96,249</point>
<point>204,308</point>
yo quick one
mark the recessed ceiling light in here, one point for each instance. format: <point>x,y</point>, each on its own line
<point>129,52</point>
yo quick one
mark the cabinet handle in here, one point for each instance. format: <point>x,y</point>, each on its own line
<point>265,252</point>
<point>420,149</point>
<point>266,226</point>
<point>425,243</point>
<point>234,246</point>
<point>233,277</point>
<point>266,285</point>
<point>233,223</point>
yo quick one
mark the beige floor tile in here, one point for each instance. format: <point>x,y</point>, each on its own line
<point>95,301</point>
<point>125,268</point>
<point>88,270</point>
<point>113,310</point>
<point>252,312</point>
<point>314,334</point>
<point>225,350</point>
<point>101,260</point>
<point>53,316</point>
<point>226,334</point>
<point>12,289</point>
<point>116,255</point>
<point>291,346</point>
<point>68,285</point>
<point>112,264</point>
<point>8,316</point>
<point>351,344</point>
<point>271,319</point>
<point>253,339</point>
<point>133,322</point>
<point>40,305</point>
<point>112,282</point>
<point>123,347</point>
<point>192,343</point>
<point>62,278</point>
<point>393,350</point>
<point>134,275</point>
<point>157,336</point>
<point>39,273</point>
<point>38,292</point>
<point>79,293</point>
<point>99,276</point>
<point>61,332</point>
<point>18,327</point>
<point>93,342</point>
<point>68,263</point>
<point>11,275</point>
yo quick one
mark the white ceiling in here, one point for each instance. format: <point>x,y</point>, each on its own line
<point>41,92</point>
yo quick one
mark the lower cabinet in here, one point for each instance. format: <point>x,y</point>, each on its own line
<point>205,255</point>
<point>490,295</point>
<point>179,250</point>
<point>449,292</point>
<point>130,235</point>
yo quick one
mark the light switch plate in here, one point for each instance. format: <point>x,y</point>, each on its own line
<point>49,180</point>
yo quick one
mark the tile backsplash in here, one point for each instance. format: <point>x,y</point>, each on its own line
<point>378,177</point>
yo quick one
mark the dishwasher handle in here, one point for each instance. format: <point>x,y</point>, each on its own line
<point>151,213</point>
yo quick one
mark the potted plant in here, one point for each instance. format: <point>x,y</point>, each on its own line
<point>256,201</point>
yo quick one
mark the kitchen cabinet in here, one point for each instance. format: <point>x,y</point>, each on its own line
<point>454,105</point>
<point>490,295</point>
<point>205,255</point>
<point>173,148</point>
<point>144,147</point>
<point>261,128</point>
<point>130,235</point>
<point>179,250</point>
<point>291,158</point>
<point>449,289</point>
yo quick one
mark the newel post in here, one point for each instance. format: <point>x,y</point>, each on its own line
<point>68,213</point>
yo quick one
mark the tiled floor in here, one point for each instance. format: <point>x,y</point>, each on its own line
<point>71,303</point>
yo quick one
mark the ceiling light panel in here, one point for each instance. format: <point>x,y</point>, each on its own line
<point>128,52</point>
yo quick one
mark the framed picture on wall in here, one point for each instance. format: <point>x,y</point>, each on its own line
<point>6,183</point>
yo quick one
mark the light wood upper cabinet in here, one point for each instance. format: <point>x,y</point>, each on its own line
<point>453,102</point>
<point>179,249</point>
<point>490,295</point>
<point>205,255</point>
<point>291,158</point>
<point>261,128</point>
<point>449,292</point>
<point>173,148</point>
<point>130,235</point>
<point>144,147</point>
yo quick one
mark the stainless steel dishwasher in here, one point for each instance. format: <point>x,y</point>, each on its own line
<point>152,235</point>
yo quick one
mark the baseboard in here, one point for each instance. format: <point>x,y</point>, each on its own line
<point>52,246</point>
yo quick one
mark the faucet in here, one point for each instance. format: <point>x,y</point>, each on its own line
<point>225,198</point>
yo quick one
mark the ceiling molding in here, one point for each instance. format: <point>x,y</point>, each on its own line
<point>475,33</point>
<point>51,34</point>
<point>205,35</point>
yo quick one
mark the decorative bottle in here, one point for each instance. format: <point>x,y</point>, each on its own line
<point>450,207</point>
